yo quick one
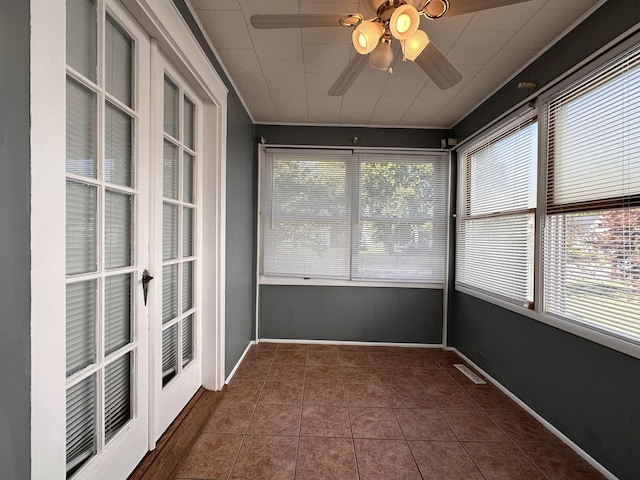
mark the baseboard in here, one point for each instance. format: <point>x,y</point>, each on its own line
<point>346,342</point>
<point>252,342</point>
<point>566,440</point>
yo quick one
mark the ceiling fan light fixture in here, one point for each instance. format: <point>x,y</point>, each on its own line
<point>382,56</point>
<point>404,22</point>
<point>414,45</point>
<point>366,36</point>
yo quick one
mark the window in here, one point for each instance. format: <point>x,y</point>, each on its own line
<point>102,193</point>
<point>496,213</point>
<point>354,216</point>
<point>592,229</point>
<point>179,236</point>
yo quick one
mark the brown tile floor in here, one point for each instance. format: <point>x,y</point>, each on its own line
<point>363,412</point>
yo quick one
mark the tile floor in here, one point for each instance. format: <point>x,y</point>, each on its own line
<point>363,412</point>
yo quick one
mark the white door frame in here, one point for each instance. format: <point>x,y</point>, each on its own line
<point>162,21</point>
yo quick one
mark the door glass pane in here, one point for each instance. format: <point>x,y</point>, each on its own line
<point>187,340</point>
<point>189,122</point>
<point>118,62</point>
<point>82,30</point>
<point>187,189</point>
<point>187,241</point>
<point>117,306</point>
<point>81,425</point>
<point>169,354</point>
<point>117,395</point>
<point>171,108</point>
<point>170,171</point>
<point>81,248</point>
<point>187,286</point>
<point>169,292</point>
<point>81,324</point>
<point>169,231</point>
<point>118,133</point>
<point>81,130</point>
<point>118,217</point>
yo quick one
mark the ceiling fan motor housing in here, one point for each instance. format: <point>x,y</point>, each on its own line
<point>386,9</point>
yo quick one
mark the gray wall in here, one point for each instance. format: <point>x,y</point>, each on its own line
<point>365,314</point>
<point>241,211</point>
<point>241,233</point>
<point>589,392</point>
<point>402,315</point>
<point>15,263</point>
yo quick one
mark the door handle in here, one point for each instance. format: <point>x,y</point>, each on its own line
<point>146,278</point>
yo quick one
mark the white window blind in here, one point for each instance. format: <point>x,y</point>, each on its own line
<point>354,216</point>
<point>592,228</point>
<point>81,424</point>
<point>401,218</point>
<point>496,212</point>
<point>100,232</point>
<point>306,221</point>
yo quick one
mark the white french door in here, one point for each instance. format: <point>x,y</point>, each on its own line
<point>118,165</point>
<point>107,233</point>
<point>176,321</point>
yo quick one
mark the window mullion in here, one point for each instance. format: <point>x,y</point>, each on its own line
<point>353,177</point>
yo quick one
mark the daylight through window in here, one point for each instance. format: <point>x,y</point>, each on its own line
<point>592,234</point>
<point>496,212</point>
<point>354,216</point>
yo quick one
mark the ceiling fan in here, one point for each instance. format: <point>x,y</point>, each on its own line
<point>372,39</point>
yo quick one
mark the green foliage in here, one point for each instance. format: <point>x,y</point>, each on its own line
<point>402,191</point>
<point>313,197</point>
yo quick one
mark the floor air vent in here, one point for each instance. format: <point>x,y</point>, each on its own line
<point>469,373</point>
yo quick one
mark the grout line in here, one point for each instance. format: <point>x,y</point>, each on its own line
<point>534,463</point>
<point>353,440</point>
<point>406,441</point>
<point>235,459</point>
<point>304,383</point>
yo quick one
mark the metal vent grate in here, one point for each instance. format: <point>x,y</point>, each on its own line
<point>469,373</point>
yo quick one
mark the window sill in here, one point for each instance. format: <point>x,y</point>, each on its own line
<point>329,282</point>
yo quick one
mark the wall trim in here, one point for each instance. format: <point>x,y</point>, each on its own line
<point>47,144</point>
<point>348,342</point>
<point>246,350</point>
<point>566,440</point>
<point>353,148</point>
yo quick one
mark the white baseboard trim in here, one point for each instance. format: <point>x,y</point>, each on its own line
<point>252,342</point>
<point>345,342</point>
<point>566,440</point>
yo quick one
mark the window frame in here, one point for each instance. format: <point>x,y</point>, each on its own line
<point>582,83</point>
<point>536,101</point>
<point>479,143</point>
<point>352,184</point>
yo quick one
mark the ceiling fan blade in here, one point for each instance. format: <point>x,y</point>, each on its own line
<point>297,20</point>
<point>348,75</point>
<point>439,69</point>
<point>460,7</point>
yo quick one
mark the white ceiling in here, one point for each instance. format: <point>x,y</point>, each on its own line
<point>283,75</point>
